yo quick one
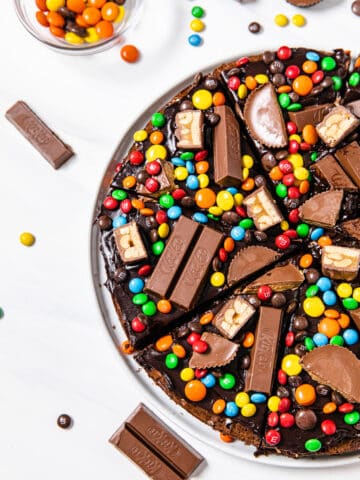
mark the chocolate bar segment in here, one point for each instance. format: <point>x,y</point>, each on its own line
<point>38,134</point>
<point>233,316</point>
<point>129,243</point>
<point>260,375</point>
<point>262,209</point>
<point>193,276</point>
<point>148,442</point>
<point>340,263</point>
<point>328,169</point>
<point>189,129</point>
<point>175,252</point>
<point>227,148</point>
<point>336,125</point>
<point>349,158</point>
<point>310,115</point>
<point>322,209</point>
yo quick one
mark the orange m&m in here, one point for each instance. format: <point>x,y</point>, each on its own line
<point>329,327</point>
<point>305,394</point>
<point>129,53</point>
<point>302,85</point>
<point>205,198</point>
<point>195,391</point>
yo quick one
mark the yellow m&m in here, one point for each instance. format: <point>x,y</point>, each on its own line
<point>202,99</point>
<point>291,364</point>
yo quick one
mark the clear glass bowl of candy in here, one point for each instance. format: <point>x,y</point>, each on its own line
<point>78,27</point>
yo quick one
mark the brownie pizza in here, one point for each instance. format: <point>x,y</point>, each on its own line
<point>230,234</point>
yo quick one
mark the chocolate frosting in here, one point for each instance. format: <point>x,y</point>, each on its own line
<point>220,352</point>
<point>336,367</point>
<point>322,209</point>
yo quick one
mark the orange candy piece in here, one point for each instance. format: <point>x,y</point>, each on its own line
<point>329,327</point>
<point>202,166</point>
<point>179,350</point>
<point>156,137</point>
<point>137,203</point>
<point>57,31</point>
<point>304,186</point>
<point>110,11</point>
<point>164,306</point>
<point>41,4</point>
<point>206,318</point>
<point>226,438</point>
<point>302,85</point>
<point>305,394</point>
<point>42,18</point>
<point>129,182</point>
<point>96,3</point>
<point>129,53</point>
<point>80,20</point>
<point>195,391</point>
<point>248,341</point>
<point>357,63</point>
<point>284,89</point>
<point>276,174</point>
<point>91,15</point>
<point>248,185</point>
<point>126,347</point>
<point>205,198</point>
<point>219,99</point>
<point>331,313</point>
<point>164,343</point>
<point>250,82</point>
<point>329,407</point>
<point>77,6</point>
<point>306,260</point>
<point>309,134</point>
<point>55,19</point>
<point>146,212</point>
<point>229,244</point>
<point>344,320</point>
<point>218,406</point>
<point>324,240</point>
<point>104,29</point>
<point>309,66</point>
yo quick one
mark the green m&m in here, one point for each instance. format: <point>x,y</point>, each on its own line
<point>351,418</point>
<point>158,247</point>
<point>149,308</point>
<point>158,119</point>
<point>313,445</point>
<point>171,361</point>
<point>227,381</point>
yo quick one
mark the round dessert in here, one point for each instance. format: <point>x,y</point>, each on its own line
<point>231,239</point>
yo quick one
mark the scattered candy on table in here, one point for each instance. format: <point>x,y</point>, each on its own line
<point>196,25</point>
<point>27,239</point>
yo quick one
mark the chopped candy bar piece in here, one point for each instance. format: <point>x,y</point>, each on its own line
<point>129,243</point>
<point>329,169</point>
<point>336,125</point>
<point>189,129</point>
<point>262,209</point>
<point>322,209</point>
<point>349,159</point>
<point>233,316</point>
<point>220,352</point>
<point>340,263</point>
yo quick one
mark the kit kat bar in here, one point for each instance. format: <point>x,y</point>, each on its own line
<point>260,375</point>
<point>227,148</point>
<point>38,134</point>
<point>147,441</point>
<point>177,248</point>
<point>194,274</point>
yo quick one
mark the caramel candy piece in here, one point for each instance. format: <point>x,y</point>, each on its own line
<point>310,115</point>
<point>189,129</point>
<point>352,228</point>
<point>264,118</point>
<point>262,209</point>
<point>322,209</point>
<point>349,158</point>
<point>336,367</point>
<point>220,352</point>
<point>340,263</point>
<point>248,261</point>
<point>227,148</point>
<point>281,278</point>
<point>233,316</point>
<point>129,243</point>
<point>328,169</point>
<point>259,377</point>
<point>336,125</point>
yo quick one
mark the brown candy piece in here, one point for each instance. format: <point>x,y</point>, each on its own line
<point>227,148</point>
<point>129,243</point>
<point>233,316</point>
<point>262,209</point>
<point>310,115</point>
<point>340,263</point>
<point>322,209</point>
<point>328,169</point>
<point>336,125</point>
<point>219,353</point>
<point>281,278</point>
<point>305,419</point>
<point>348,157</point>
<point>336,367</point>
<point>189,129</point>
<point>264,118</point>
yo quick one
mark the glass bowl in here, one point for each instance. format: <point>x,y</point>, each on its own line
<point>26,10</point>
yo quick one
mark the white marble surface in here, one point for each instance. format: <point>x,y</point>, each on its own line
<point>55,354</point>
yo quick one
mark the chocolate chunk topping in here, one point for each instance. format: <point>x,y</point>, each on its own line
<point>248,261</point>
<point>220,352</point>
<point>264,118</point>
<point>322,209</point>
<point>336,367</point>
<point>279,279</point>
<point>328,169</point>
<point>348,157</point>
<point>311,115</point>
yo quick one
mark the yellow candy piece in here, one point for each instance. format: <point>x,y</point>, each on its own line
<point>181,173</point>
<point>238,198</point>
<point>197,25</point>
<point>187,374</point>
<point>248,410</point>
<point>242,399</point>
<point>217,211</point>
<point>295,137</point>
<point>291,364</point>
<point>247,161</point>
<point>273,403</point>
<point>202,99</point>
<point>217,279</point>
<point>71,37</point>
<point>27,239</point>
<point>344,290</point>
<point>121,15</point>
<point>356,294</point>
<point>281,20</point>
<point>296,160</point>
<point>298,20</point>
<point>301,173</point>
<point>284,225</point>
<point>203,180</point>
<point>92,36</point>
<point>245,173</point>
<point>163,230</point>
<point>54,5</point>
<point>261,78</point>
<point>140,136</point>
<point>242,91</point>
<point>313,306</point>
<point>225,200</point>
<point>156,151</point>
